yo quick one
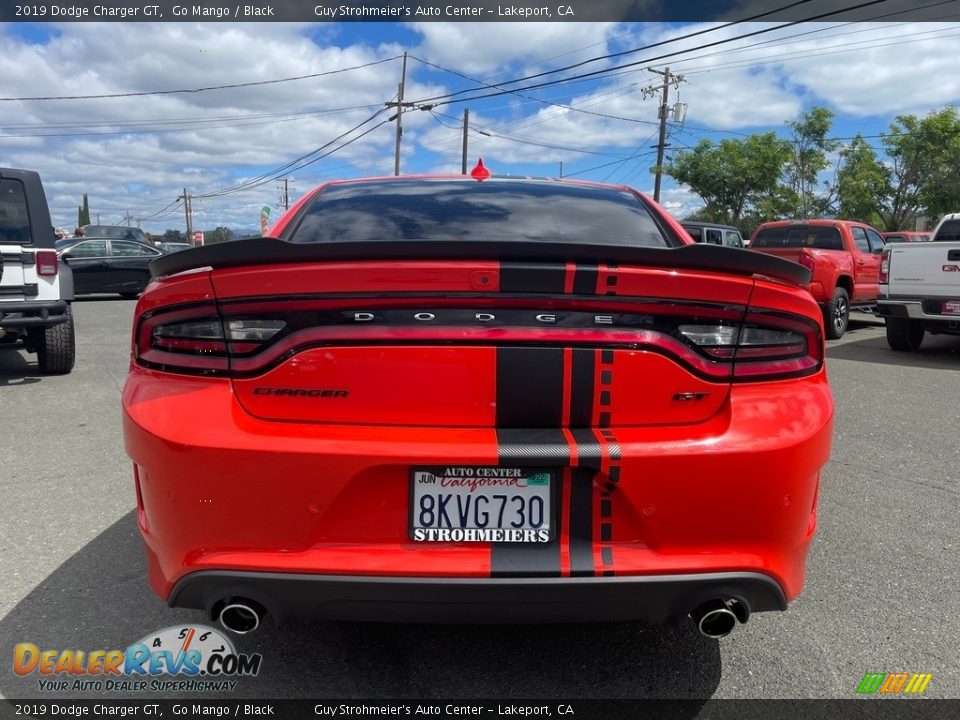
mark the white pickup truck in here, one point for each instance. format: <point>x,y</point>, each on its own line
<point>920,287</point>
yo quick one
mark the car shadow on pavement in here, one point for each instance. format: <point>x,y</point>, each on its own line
<point>15,369</point>
<point>938,352</point>
<point>98,600</point>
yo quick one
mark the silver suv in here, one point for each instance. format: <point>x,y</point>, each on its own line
<point>36,288</point>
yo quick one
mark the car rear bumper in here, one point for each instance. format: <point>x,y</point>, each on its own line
<point>290,597</point>
<point>220,491</point>
<point>40,313</point>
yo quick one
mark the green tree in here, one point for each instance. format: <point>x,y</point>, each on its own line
<point>219,234</point>
<point>925,167</point>
<point>173,236</point>
<point>734,177</point>
<point>811,145</point>
<point>83,212</point>
<point>862,184</point>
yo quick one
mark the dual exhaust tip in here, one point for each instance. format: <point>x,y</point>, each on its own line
<point>239,615</point>
<point>714,619</point>
<point>718,617</point>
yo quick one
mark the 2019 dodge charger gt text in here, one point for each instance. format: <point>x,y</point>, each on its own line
<point>444,400</point>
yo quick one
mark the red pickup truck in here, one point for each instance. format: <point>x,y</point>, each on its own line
<point>844,257</point>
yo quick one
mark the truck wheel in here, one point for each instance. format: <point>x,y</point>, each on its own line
<point>904,335</point>
<point>836,314</point>
<point>56,349</point>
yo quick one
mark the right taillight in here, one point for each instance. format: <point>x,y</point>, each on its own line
<point>807,261</point>
<point>885,267</point>
<point>767,346</point>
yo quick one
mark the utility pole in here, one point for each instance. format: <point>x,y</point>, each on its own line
<point>561,168</point>
<point>463,155</point>
<point>127,217</point>
<point>285,196</point>
<point>668,80</point>
<point>399,105</point>
<point>189,213</point>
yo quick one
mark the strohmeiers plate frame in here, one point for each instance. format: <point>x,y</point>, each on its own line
<point>555,475</point>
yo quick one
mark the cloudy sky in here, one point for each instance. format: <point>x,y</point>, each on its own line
<point>134,153</point>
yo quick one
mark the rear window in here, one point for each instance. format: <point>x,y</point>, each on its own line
<point>14,221</point>
<point>113,231</point>
<point>798,236</point>
<point>948,232</point>
<point>496,210</point>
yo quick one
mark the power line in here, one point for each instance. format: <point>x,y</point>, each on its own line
<point>200,89</point>
<point>187,120</point>
<point>300,162</point>
<point>529,97</point>
<point>622,53</point>
<point>852,47</point>
<point>780,40</point>
<point>521,140</point>
<point>167,131</point>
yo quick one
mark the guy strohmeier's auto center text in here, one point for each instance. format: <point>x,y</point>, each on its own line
<point>547,12</point>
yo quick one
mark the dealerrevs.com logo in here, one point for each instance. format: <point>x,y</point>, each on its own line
<point>183,658</point>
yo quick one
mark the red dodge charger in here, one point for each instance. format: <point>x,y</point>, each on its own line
<point>437,399</point>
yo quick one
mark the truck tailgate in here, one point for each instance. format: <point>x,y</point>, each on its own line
<point>925,269</point>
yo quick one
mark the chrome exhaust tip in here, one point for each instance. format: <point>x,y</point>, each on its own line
<point>240,616</point>
<point>717,618</point>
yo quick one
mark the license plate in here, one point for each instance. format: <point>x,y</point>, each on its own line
<point>951,307</point>
<point>481,504</point>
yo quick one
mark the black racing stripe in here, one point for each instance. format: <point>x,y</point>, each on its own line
<point>529,387</point>
<point>530,448</point>
<point>585,280</point>
<point>589,452</point>
<point>520,447</point>
<point>527,277</point>
<point>581,522</point>
<point>581,391</point>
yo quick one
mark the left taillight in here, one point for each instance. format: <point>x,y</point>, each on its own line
<point>47,263</point>
<point>197,341</point>
<point>884,267</point>
<point>768,346</point>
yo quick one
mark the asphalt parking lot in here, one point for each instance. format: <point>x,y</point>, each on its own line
<point>882,583</point>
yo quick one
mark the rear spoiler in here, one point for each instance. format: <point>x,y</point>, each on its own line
<point>270,251</point>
